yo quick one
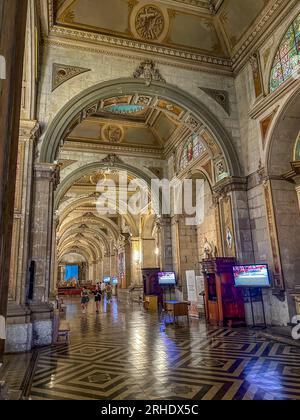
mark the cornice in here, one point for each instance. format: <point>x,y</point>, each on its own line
<point>267,102</point>
<point>173,61</point>
<point>102,148</point>
<point>117,42</point>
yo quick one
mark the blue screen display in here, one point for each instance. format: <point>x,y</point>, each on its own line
<point>251,276</point>
<point>72,272</point>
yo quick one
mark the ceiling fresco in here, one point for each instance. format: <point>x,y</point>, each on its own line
<point>212,27</point>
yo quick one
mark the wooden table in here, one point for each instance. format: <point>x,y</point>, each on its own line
<point>177,308</point>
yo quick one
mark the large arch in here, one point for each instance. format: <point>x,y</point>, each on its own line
<point>57,130</point>
<point>282,175</point>
<point>281,146</point>
<point>74,176</point>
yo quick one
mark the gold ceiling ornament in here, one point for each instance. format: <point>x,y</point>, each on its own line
<point>99,176</point>
<point>149,22</point>
<point>113,133</point>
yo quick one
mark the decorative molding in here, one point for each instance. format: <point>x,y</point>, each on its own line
<point>64,163</point>
<point>220,96</point>
<point>148,71</point>
<point>265,125</point>
<point>141,46</point>
<point>173,60</point>
<point>149,22</point>
<point>241,54</point>
<point>273,236</point>
<point>293,173</point>
<point>113,133</point>
<point>112,160</point>
<point>61,73</point>
<point>230,184</point>
<point>270,100</point>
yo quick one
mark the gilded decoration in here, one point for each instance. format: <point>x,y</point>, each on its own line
<point>149,22</point>
<point>113,133</point>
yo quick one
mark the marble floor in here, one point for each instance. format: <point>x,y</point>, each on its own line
<point>126,354</point>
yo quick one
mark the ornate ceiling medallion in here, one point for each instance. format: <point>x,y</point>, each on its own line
<point>149,22</point>
<point>113,133</point>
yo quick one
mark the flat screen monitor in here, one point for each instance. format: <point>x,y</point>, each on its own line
<point>115,281</point>
<point>106,280</point>
<point>252,276</point>
<point>167,279</point>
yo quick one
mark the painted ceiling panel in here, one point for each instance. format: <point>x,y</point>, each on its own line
<point>236,17</point>
<point>109,15</point>
<point>196,32</point>
<point>187,24</point>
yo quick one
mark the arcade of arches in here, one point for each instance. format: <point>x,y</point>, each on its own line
<point>104,99</point>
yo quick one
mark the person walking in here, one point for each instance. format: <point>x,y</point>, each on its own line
<point>102,287</point>
<point>84,300</point>
<point>98,297</point>
<point>108,291</point>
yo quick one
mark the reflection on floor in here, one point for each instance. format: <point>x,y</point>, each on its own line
<point>124,353</point>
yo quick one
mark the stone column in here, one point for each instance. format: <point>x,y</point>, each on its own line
<point>19,327</point>
<point>13,15</point>
<point>148,253</point>
<point>231,194</point>
<point>136,259</point>
<point>128,259</point>
<point>106,265</point>
<point>54,265</point>
<point>46,178</point>
<point>165,244</point>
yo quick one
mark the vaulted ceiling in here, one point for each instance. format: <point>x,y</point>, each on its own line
<point>212,27</point>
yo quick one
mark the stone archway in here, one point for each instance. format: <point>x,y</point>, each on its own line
<point>81,104</point>
<point>282,202</point>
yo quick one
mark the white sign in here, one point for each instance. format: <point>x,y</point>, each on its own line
<point>200,284</point>
<point>191,286</point>
<point>2,68</point>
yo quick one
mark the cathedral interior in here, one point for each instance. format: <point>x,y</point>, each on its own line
<point>122,103</point>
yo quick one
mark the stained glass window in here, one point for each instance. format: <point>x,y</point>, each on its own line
<point>193,148</point>
<point>287,59</point>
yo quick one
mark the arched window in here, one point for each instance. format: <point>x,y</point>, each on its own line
<point>287,59</point>
<point>193,149</point>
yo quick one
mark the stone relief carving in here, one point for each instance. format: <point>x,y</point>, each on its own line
<point>61,73</point>
<point>149,72</point>
<point>149,22</point>
<point>113,133</point>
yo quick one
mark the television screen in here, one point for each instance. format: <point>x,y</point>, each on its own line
<point>251,276</point>
<point>166,279</point>
<point>71,273</point>
<point>115,281</point>
<point>106,279</point>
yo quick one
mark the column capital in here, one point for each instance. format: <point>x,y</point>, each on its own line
<point>50,171</point>
<point>29,130</point>
<point>230,184</point>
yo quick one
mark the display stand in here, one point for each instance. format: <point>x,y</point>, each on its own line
<point>257,327</point>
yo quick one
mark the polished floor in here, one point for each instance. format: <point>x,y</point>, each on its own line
<point>124,353</point>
